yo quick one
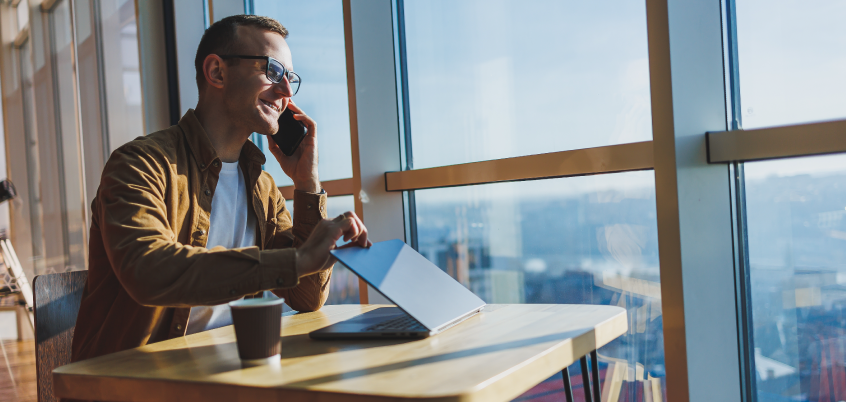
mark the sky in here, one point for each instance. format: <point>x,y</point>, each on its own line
<point>792,58</point>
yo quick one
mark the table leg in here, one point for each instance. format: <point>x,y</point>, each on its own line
<point>568,388</point>
<point>597,392</point>
<point>586,379</point>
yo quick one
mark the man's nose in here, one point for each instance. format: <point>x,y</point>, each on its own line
<point>283,88</point>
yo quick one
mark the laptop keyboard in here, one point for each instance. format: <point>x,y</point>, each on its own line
<point>401,323</point>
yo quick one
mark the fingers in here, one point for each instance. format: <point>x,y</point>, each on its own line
<point>304,118</point>
<point>353,229</point>
<point>348,226</point>
<point>361,239</point>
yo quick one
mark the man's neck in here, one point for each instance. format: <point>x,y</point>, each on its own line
<point>223,135</point>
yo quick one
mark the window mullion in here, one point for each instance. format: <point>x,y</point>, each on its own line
<point>693,201</point>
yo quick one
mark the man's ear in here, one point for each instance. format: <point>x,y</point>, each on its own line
<point>214,69</point>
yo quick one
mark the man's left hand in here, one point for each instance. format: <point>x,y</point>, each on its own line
<point>301,167</point>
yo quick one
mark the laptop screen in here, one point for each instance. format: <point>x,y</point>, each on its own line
<point>411,281</point>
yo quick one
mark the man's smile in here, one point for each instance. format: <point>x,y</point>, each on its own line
<point>272,105</point>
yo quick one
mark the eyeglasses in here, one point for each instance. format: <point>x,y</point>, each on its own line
<point>275,71</point>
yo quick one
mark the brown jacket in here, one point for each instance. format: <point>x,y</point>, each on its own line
<point>149,223</point>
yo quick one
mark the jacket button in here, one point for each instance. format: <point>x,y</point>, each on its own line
<point>202,166</point>
<point>202,232</point>
<point>179,327</point>
<point>233,292</point>
<point>207,192</point>
<point>279,281</point>
<point>216,163</point>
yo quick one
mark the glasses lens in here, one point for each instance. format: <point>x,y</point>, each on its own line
<point>275,71</point>
<point>294,80</point>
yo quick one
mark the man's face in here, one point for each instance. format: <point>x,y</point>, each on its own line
<point>251,99</point>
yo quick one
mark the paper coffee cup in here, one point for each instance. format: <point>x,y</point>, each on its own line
<point>258,328</point>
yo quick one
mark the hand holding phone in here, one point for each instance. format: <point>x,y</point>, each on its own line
<point>291,132</point>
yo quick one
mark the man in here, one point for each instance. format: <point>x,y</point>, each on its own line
<point>185,219</point>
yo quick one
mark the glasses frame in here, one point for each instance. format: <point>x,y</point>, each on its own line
<point>285,72</point>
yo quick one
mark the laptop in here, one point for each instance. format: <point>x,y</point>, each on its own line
<point>428,301</point>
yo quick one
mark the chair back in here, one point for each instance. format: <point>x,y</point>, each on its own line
<point>57,298</point>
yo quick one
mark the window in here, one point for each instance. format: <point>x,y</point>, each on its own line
<point>493,80</point>
<point>791,61</point>
<point>33,256</point>
<point>792,209</point>
<point>343,287</point>
<point>72,202</point>
<point>22,15</point>
<point>796,217</point>
<point>316,39</point>
<point>489,80</point>
<point>317,45</point>
<point>47,175</point>
<point>93,114</point>
<point>589,240</point>
<point>70,123</point>
<point>121,70</point>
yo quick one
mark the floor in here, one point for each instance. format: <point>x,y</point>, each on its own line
<point>17,363</point>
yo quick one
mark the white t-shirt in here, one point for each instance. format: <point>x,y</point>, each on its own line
<point>231,226</point>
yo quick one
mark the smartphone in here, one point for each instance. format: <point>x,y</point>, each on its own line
<point>291,133</point>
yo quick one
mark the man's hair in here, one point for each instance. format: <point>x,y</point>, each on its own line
<point>222,38</point>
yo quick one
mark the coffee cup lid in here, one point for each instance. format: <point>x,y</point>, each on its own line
<point>258,302</point>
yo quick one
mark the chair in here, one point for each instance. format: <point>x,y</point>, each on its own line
<point>15,292</point>
<point>57,300</point>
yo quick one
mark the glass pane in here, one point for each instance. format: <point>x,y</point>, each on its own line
<point>792,57</point>
<point>576,240</point>
<point>343,287</point>
<point>33,258</point>
<point>796,217</point>
<point>67,138</point>
<point>495,79</point>
<point>121,71</point>
<point>316,39</point>
<point>48,174</point>
<point>22,15</point>
<point>92,100</point>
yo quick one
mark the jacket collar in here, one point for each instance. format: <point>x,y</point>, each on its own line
<point>201,147</point>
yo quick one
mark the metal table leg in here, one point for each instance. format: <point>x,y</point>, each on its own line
<point>587,384</point>
<point>568,388</point>
<point>586,379</point>
<point>597,393</point>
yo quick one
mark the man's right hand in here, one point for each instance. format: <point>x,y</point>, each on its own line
<point>313,256</point>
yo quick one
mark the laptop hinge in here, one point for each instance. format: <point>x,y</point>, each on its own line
<point>455,321</point>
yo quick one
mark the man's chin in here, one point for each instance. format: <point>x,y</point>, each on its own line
<point>267,129</point>
<point>271,130</point>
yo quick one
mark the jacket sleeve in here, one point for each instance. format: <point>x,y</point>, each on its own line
<point>309,209</point>
<point>156,269</point>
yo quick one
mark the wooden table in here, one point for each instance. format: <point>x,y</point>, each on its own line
<point>493,356</point>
